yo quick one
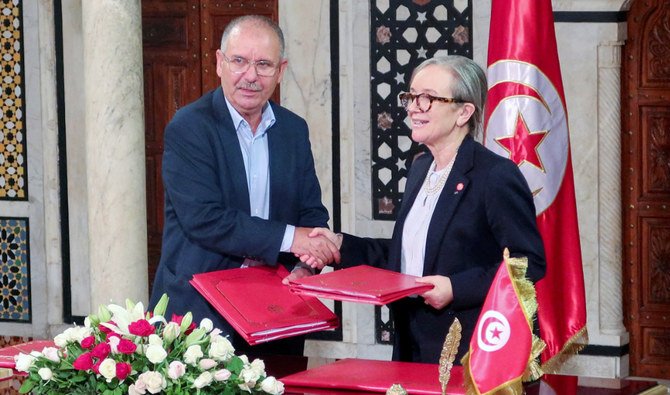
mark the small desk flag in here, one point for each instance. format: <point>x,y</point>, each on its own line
<point>503,347</point>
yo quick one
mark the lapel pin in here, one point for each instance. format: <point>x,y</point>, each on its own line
<point>459,187</point>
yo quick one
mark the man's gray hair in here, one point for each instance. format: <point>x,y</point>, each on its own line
<point>257,20</point>
<point>469,85</point>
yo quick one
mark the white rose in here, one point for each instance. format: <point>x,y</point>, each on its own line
<point>176,370</point>
<point>154,381</point>
<point>250,376</point>
<point>222,375</point>
<point>215,332</point>
<point>79,333</point>
<point>139,388</point>
<point>203,380</point>
<point>61,340</point>
<point>45,373</point>
<point>155,340</point>
<point>206,363</point>
<point>23,362</point>
<point>51,353</point>
<point>108,369</point>
<point>193,354</point>
<point>258,365</point>
<point>272,386</point>
<point>207,325</point>
<point>221,350</point>
<point>156,353</point>
<point>245,359</point>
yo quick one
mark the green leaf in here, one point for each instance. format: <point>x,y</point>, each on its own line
<point>27,386</point>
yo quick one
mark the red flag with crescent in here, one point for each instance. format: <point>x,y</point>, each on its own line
<point>526,121</point>
<point>500,347</point>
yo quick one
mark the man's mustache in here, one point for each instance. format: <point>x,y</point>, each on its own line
<point>251,86</point>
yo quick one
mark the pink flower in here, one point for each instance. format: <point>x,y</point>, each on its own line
<point>141,328</point>
<point>101,350</point>
<point>123,370</point>
<point>88,342</point>
<point>83,362</point>
<point>96,366</point>
<point>126,346</point>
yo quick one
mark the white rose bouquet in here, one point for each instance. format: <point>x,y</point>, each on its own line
<point>125,350</point>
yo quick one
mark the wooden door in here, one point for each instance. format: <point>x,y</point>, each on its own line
<point>646,187</point>
<point>179,39</point>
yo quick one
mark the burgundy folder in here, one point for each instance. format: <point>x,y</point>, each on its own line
<point>363,284</point>
<point>8,353</point>
<point>374,376</point>
<point>260,308</point>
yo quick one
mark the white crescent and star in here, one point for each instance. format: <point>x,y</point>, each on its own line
<point>528,124</point>
<point>493,331</point>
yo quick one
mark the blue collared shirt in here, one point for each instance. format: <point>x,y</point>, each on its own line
<point>256,156</point>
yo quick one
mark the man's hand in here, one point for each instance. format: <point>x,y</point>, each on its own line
<point>320,248</point>
<point>441,295</point>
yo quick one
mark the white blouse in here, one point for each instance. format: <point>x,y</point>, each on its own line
<point>415,229</point>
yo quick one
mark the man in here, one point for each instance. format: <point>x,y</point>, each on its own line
<point>240,184</point>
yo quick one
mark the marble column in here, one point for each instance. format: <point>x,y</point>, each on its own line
<point>609,187</point>
<point>115,167</point>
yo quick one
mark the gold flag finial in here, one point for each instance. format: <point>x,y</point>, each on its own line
<point>449,351</point>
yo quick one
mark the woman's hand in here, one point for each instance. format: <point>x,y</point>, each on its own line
<point>441,295</point>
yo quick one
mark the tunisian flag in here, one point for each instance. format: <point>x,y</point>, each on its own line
<point>526,121</point>
<point>502,349</point>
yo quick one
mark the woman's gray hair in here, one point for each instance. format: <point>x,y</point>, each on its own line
<point>257,20</point>
<point>469,85</point>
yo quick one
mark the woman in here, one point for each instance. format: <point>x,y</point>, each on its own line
<point>463,205</point>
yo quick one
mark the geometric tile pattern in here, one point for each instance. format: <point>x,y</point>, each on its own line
<point>403,33</point>
<point>13,184</point>
<point>14,270</point>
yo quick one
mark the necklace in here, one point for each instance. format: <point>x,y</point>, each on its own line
<point>432,186</point>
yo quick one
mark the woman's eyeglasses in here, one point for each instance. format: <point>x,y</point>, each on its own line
<point>423,100</point>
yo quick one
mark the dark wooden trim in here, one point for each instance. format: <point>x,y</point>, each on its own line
<point>590,16</point>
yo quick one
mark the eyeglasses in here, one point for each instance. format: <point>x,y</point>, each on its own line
<point>424,101</point>
<point>239,65</point>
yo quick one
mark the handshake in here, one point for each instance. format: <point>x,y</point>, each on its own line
<point>316,247</point>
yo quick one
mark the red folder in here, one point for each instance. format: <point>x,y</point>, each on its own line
<point>260,308</point>
<point>8,353</point>
<point>374,376</point>
<point>363,284</point>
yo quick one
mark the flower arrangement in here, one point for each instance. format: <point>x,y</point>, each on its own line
<point>125,350</point>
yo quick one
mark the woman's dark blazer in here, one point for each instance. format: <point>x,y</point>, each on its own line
<point>485,206</point>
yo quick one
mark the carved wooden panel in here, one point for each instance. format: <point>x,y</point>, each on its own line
<point>171,49</point>
<point>646,187</point>
<point>658,256</point>
<point>656,51</point>
<point>658,150</point>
